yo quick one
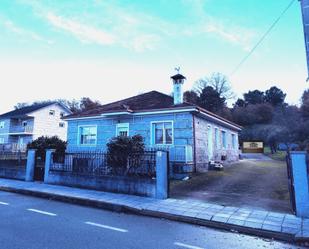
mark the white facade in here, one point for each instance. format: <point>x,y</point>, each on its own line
<point>48,122</point>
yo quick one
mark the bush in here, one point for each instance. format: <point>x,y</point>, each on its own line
<point>119,150</point>
<point>43,143</point>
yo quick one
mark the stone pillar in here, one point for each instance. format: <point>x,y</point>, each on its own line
<point>30,166</point>
<point>48,162</point>
<point>301,187</point>
<point>162,175</point>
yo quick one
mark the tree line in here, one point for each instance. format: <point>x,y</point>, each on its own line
<point>74,106</point>
<point>265,116</point>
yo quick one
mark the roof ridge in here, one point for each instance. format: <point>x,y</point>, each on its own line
<point>132,97</point>
<point>123,100</point>
<point>28,109</point>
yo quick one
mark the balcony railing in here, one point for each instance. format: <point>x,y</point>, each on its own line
<point>21,129</point>
<point>14,147</point>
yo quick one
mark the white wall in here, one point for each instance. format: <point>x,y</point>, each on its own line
<point>48,125</point>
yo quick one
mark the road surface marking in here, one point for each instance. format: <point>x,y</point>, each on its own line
<point>4,203</point>
<point>107,227</point>
<point>41,212</point>
<point>187,246</point>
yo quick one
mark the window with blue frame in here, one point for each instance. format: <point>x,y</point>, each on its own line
<point>162,133</point>
<point>87,135</point>
<point>223,139</point>
<point>1,124</point>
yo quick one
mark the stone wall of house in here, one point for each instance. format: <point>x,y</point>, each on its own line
<point>219,153</point>
<point>142,125</point>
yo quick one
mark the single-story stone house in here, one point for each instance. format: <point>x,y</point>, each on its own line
<point>193,135</point>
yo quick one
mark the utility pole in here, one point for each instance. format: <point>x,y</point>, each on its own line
<point>305,15</point>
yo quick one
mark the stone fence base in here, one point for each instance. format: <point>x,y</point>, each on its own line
<point>116,184</point>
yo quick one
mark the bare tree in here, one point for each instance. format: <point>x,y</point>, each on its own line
<point>217,81</point>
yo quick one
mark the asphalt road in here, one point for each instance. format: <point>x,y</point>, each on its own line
<point>28,222</point>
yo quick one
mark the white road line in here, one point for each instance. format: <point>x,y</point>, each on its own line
<point>4,203</point>
<point>41,212</point>
<point>107,227</point>
<point>187,246</point>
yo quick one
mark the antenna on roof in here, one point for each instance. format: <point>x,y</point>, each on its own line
<point>177,69</point>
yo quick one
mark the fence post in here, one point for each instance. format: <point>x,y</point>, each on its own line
<point>301,184</point>
<point>162,175</point>
<point>30,165</point>
<point>48,162</point>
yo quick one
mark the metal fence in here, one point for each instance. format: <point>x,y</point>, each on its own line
<point>13,159</point>
<point>102,164</point>
<point>13,147</point>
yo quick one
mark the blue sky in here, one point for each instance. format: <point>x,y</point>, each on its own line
<point>109,50</point>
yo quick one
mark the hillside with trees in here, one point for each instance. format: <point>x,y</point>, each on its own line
<point>265,116</point>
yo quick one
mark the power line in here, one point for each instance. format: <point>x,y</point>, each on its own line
<point>262,38</point>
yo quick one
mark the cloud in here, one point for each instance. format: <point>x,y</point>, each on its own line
<point>235,35</point>
<point>85,33</point>
<point>203,23</point>
<point>145,42</point>
<point>126,25</point>
<point>10,26</point>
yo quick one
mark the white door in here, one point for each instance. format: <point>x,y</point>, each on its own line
<point>210,143</point>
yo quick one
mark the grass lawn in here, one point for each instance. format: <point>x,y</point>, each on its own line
<point>279,155</point>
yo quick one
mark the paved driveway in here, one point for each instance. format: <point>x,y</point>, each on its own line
<point>248,183</point>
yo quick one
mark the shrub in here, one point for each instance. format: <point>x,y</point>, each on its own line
<point>119,150</point>
<point>43,143</point>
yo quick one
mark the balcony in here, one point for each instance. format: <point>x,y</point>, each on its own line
<point>21,130</point>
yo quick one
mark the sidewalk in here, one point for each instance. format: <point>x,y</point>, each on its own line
<point>249,221</point>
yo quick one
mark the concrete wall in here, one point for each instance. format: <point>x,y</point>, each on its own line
<point>157,188</point>
<point>48,125</point>
<point>18,173</point>
<point>126,185</point>
<point>19,170</point>
<point>301,183</point>
<point>202,153</point>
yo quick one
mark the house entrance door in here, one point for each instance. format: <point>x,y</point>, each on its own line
<point>39,169</point>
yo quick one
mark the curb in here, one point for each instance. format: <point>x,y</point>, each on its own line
<point>174,217</point>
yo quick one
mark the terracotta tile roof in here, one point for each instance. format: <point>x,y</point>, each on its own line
<point>143,102</point>
<point>149,101</point>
